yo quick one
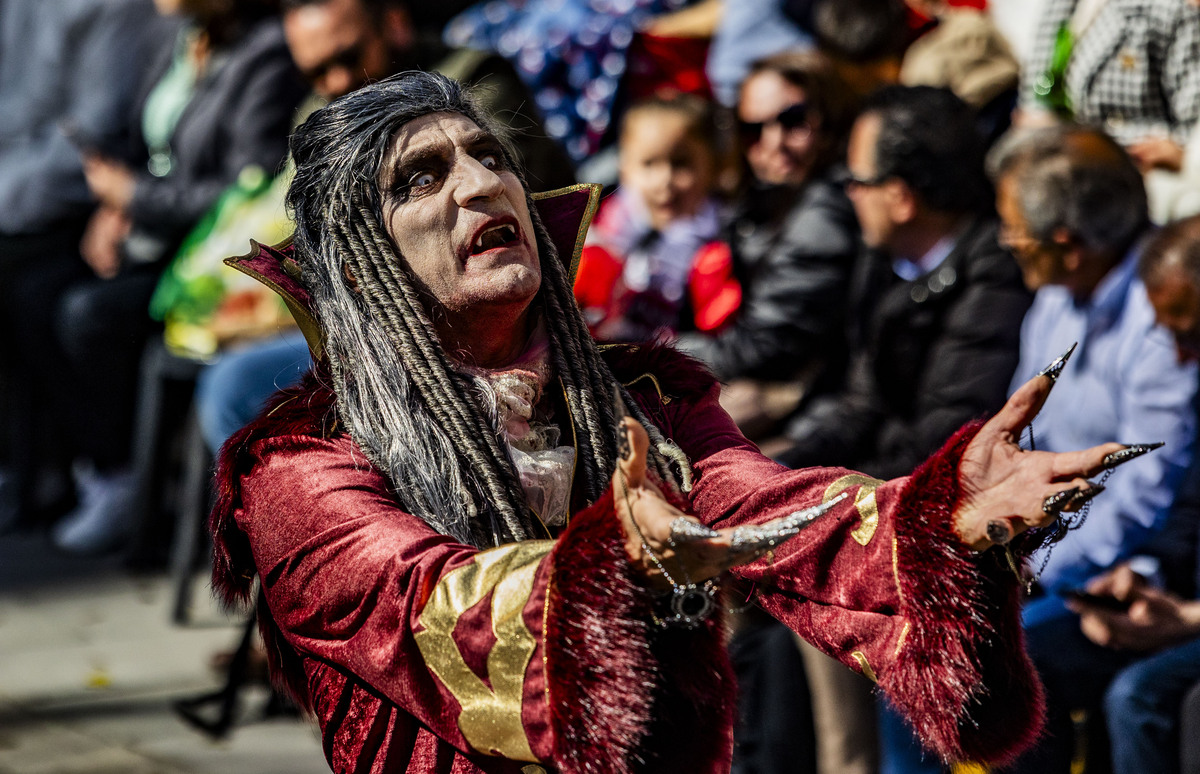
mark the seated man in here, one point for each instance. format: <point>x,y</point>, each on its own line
<point>70,74</point>
<point>472,539</point>
<point>936,312</point>
<point>1075,216</point>
<point>1156,630</point>
<point>937,304</point>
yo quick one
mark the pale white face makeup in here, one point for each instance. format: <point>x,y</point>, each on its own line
<point>459,219</point>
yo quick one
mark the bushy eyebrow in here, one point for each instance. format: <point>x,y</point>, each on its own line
<point>418,158</point>
<point>482,141</point>
<point>434,153</point>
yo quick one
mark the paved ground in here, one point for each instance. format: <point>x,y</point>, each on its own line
<point>90,666</point>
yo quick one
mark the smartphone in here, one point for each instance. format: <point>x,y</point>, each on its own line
<point>1096,600</point>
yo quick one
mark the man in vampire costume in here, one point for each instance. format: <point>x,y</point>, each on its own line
<point>469,521</point>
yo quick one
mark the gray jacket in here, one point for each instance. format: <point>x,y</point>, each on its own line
<point>240,114</point>
<point>65,63</point>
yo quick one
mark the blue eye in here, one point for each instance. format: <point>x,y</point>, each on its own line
<point>423,180</point>
<point>490,161</point>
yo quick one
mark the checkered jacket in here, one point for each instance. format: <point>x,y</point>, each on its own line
<point>1134,72</point>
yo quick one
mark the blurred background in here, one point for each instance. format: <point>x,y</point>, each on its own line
<point>845,208</point>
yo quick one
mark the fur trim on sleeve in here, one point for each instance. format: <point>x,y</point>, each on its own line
<point>307,409</point>
<point>600,670</point>
<point>622,691</point>
<point>962,675</point>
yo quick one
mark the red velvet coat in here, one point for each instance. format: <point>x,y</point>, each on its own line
<point>420,654</point>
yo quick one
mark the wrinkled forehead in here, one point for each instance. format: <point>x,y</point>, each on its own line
<point>430,137</point>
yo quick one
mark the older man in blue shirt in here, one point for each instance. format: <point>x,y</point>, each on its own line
<point>1075,216</point>
<point>1122,380</point>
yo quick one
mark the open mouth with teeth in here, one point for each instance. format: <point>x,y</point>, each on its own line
<point>499,236</point>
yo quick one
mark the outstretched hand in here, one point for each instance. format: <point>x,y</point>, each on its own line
<point>1004,486</point>
<point>1004,490</point>
<point>672,549</point>
<point>647,517</point>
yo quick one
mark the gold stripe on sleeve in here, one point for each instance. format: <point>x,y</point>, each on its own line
<point>864,501</point>
<point>491,716</point>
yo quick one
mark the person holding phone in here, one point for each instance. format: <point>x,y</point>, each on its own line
<point>1153,630</point>
<point>1160,630</point>
<point>216,100</point>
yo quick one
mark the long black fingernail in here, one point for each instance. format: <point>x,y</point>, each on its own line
<point>1130,452</point>
<point>1085,495</point>
<point>999,532</point>
<point>1053,370</point>
<point>1054,504</point>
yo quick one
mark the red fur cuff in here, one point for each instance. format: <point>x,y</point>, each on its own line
<point>961,675</point>
<point>599,666</point>
<point>624,694</point>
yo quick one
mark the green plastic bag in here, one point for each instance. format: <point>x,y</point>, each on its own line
<point>197,282</point>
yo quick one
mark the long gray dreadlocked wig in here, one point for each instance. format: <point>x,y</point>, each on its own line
<point>415,416</point>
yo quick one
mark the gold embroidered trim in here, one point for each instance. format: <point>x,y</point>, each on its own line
<point>968,767</point>
<point>663,398</point>
<point>546,661</point>
<point>864,501</point>
<point>589,213</point>
<point>903,636</point>
<point>867,671</point>
<point>896,570</point>
<point>490,719</point>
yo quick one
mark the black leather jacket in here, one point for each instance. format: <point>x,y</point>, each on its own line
<point>793,252</point>
<point>927,356</point>
<point>240,114</point>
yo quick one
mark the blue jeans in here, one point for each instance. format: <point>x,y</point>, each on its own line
<point>900,752</point>
<point>1075,672</point>
<point>1143,705</point>
<point>233,390</point>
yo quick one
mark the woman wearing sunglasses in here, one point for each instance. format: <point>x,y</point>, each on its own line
<point>792,233</point>
<point>794,238</point>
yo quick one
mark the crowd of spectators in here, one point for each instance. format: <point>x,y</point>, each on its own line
<point>871,219</point>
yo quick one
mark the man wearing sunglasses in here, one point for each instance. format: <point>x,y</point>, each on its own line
<point>936,308</point>
<point>937,302</point>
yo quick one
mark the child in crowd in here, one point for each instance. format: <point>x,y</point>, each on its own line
<point>653,265</point>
